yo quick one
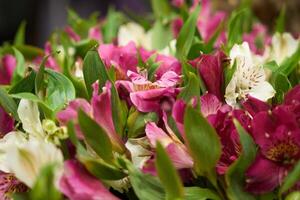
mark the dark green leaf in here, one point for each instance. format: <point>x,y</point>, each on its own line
<point>292,178</point>
<point>197,193</point>
<point>24,85</point>
<point>82,47</point>
<point>8,104</point>
<point>186,35</point>
<point>191,89</point>
<point>235,173</point>
<point>39,79</point>
<point>95,136</point>
<point>30,52</point>
<point>168,174</point>
<point>20,68</point>
<point>280,22</point>
<point>281,86</point>
<point>94,69</point>
<point>203,142</point>
<point>20,36</point>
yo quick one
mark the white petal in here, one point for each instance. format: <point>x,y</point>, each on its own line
<point>242,54</point>
<point>263,91</point>
<point>230,92</point>
<point>30,117</point>
<point>131,32</point>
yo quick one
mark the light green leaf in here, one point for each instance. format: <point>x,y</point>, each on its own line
<point>197,193</point>
<point>293,196</point>
<point>8,104</point>
<point>280,22</point>
<point>203,142</point>
<point>161,35</point>
<point>235,173</point>
<point>39,79</point>
<point>161,8</point>
<point>186,35</point>
<point>19,71</point>
<point>168,174</point>
<point>20,36</point>
<point>95,136</point>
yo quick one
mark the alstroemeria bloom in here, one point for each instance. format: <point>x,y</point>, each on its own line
<point>7,65</point>
<point>277,134</point>
<point>10,185</point>
<point>6,123</point>
<point>210,68</point>
<point>74,36</point>
<point>95,33</point>
<point>77,184</point>
<point>283,46</point>
<point>209,22</point>
<point>25,155</point>
<point>175,148</point>
<point>133,32</point>
<point>51,62</point>
<point>149,96</point>
<point>249,77</point>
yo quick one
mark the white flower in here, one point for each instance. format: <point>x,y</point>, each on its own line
<point>25,154</point>
<point>133,32</point>
<point>283,46</point>
<point>249,77</point>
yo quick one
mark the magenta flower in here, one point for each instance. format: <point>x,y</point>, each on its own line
<point>258,38</point>
<point>102,113</point>
<point>277,134</point>
<point>74,36</point>
<point>10,185</point>
<point>211,70</point>
<point>208,22</point>
<point>167,63</point>
<point>6,123</point>
<point>149,96</point>
<point>95,33</point>
<point>70,113</point>
<point>8,64</point>
<point>176,26</point>
<point>177,3</point>
<point>77,184</point>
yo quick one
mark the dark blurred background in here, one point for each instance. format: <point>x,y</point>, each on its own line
<point>44,16</point>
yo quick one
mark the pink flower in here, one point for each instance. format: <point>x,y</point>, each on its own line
<point>102,113</point>
<point>78,184</point>
<point>277,134</point>
<point>211,70</point>
<point>74,36</point>
<point>258,38</point>
<point>149,96</point>
<point>8,64</point>
<point>95,33</point>
<point>70,113</point>
<point>176,26</point>
<point>209,22</point>
<point>167,63</point>
<point>6,123</point>
<point>177,3</point>
<point>10,185</point>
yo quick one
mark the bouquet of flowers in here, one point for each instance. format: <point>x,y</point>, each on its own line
<point>187,103</point>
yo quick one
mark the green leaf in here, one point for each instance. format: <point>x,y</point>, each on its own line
<point>137,121</point>
<point>101,169</point>
<point>59,90</point>
<point>82,47</point>
<point>203,142</point>
<point>26,95</point>
<point>94,69</point>
<point>236,26</point>
<point>290,63</point>
<point>8,104</point>
<point>229,71</point>
<point>293,196</point>
<point>186,35</point>
<point>45,188</point>
<point>191,89</point>
<point>161,8</point>
<point>119,111</point>
<point>30,52</point>
<point>197,193</point>
<point>20,36</point>
<point>280,22</point>
<point>235,173</point>
<point>290,180</point>
<point>20,68</point>
<point>161,35</point>
<point>168,174</point>
<point>281,85</point>
<point>145,186</point>
<point>110,29</point>
<point>95,136</point>
<point>72,133</point>
<point>39,79</point>
<point>272,65</point>
<point>24,85</point>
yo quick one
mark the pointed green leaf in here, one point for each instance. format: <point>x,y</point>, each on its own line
<point>280,22</point>
<point>197,193</point>
<point>20,36</point>
<point>235,174</point>
<point>24,85</point>
<point>186,35</point>
<point>39,84</point>
<point>168,174</point>
<point>292,178</point>
<point>19,71</point>
<point>8,104</point>
<point>203,142</point>
<point>95,136</point>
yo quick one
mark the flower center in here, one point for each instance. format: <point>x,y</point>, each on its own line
<point>9,185</point>
<point>284,152</point>
<point>147,86</point>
